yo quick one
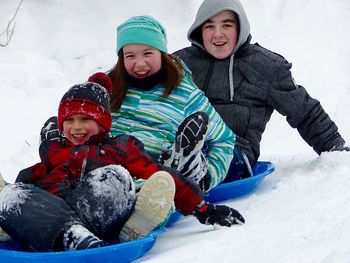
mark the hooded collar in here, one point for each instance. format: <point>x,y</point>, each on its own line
<point>210,8</point>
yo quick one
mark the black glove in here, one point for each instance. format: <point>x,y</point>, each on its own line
<point>50,131</point>
<point>210,214</point>
<point>340,147</point>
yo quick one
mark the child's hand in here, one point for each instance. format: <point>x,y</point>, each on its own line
<point>210,214</point>
<point>50,132</point>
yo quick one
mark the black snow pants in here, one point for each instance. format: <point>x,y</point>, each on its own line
<point>102,202</point>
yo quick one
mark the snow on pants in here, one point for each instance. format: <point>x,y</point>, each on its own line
<point>102,202</point>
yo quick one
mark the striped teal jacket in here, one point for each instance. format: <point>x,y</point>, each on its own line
<point>154,120</point>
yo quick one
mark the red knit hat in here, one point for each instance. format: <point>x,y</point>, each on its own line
<point>90,99</point>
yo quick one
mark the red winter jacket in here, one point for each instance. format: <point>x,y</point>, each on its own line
<point>62,165</point>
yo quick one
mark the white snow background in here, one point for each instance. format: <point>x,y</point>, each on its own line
<point>300,213</point>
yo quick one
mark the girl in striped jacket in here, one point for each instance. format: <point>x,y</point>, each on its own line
<point>155,100</point>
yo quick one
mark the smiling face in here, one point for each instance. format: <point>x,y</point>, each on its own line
<point>220,34</point>
<point>78,128</point>
<point>141,61</point>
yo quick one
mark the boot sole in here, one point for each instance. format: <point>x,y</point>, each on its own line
<point>189,138</point>
<point>195,126</point>
<point>153,204</point>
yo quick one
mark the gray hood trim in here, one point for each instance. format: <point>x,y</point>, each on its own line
<point>210,8</point>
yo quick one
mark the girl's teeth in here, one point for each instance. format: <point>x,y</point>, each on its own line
<point>141,72</point>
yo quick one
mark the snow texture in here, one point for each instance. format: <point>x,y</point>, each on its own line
<point>300,213</point>
<point>11,199</point>
<point>105,196</point>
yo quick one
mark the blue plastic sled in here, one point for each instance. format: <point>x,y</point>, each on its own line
<point>238,188</point>
<point>125,252</point>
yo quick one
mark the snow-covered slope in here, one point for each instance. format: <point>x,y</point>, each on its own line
<point>299,214</point>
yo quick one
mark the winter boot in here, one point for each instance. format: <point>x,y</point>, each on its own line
<point>189,139</point>
<point>77,237</point>
<point>153,205</point>
<point>3,236</point>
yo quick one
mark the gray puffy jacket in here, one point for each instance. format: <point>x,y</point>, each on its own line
<point>249,85</point>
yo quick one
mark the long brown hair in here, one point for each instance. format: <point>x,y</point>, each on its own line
<point>170,64</point>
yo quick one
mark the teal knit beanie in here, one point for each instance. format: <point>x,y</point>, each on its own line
<point>142,30</point>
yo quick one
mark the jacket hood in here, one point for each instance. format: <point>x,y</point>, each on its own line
<point>210,8</point>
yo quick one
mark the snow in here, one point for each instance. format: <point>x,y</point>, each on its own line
<point>299,213</point>
<point>116,179</point>
<point>75,235</point>
<point>110,187</point>
<point>11,199</point>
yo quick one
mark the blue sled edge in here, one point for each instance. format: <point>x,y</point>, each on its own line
<point>235,189</point>
<point>124,252</point>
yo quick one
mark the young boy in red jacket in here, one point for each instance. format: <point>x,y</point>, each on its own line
<point>84,194</point>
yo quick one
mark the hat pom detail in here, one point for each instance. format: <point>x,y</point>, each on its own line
<point>103,79</point>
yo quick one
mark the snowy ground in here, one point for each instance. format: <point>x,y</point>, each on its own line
<point>299,214</point>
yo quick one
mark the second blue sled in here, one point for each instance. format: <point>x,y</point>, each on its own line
<point>238,188</point>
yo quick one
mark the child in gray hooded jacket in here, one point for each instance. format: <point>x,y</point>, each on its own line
<point>246,83</point>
